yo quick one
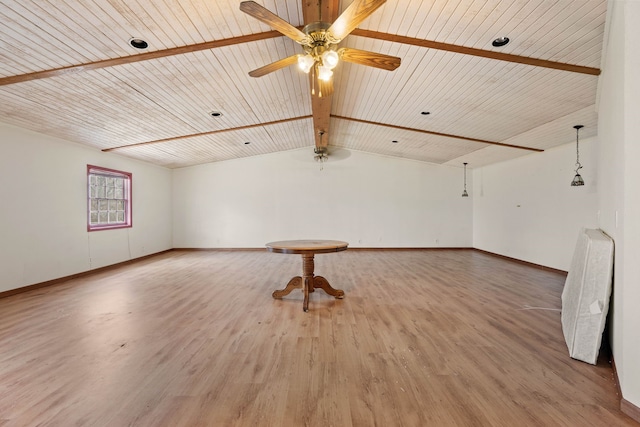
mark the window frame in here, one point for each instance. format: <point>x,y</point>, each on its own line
<point>128,196</point>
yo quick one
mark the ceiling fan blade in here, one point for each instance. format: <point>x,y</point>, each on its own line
<point>372,59</point>
<point>274,21</point>
<point>357,12</point>
<point>274,66</point>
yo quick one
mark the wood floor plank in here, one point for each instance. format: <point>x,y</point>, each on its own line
<point>194,338</point>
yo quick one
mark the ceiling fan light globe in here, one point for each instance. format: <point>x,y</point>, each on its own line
<point>305,62</point>
<point>330,59</point>
<point>324,73</point>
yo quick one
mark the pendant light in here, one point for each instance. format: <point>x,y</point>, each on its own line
<point>577,180</point>
<point>464,193</point>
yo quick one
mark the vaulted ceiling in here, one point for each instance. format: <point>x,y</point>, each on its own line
<point>68,70</point>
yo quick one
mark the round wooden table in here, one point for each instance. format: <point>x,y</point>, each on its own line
<point>308,282</point>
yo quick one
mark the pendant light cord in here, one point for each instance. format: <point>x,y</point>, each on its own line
<point>579,166</point>
<point>465,177</point>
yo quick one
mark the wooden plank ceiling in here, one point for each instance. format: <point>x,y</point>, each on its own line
<point>67,70</point>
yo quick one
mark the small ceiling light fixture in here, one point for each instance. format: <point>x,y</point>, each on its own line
<point>395,141</point>
<point>247,143</point>
<point>425,113</point>
<point>320,154</point>
<point>464,193</point>
<point>215,113</point>
<point>500,41</point>
<point>577,180</point>
<point>138,43</point>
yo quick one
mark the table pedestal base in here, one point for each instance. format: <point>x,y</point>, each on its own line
<point>309,283</point>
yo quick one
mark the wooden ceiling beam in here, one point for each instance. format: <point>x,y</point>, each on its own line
<point>428,132</point>
<point>321,109</point>
<point>326,11</point>
<point>272,34</point>
<point>477,52</point>
<point>316,10</point>
<point>212,132</point>
<point>324,130</point>
<point>138,58</point>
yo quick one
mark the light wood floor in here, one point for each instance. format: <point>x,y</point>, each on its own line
<point>422,338</point>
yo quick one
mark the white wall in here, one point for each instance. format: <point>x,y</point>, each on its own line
<point>526,208</point>
<point>366,200</point>
<point>43,220</point>
<point>619,198</point>
<point>543,229</point>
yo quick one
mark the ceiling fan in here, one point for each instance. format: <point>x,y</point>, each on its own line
<point>319,41</point>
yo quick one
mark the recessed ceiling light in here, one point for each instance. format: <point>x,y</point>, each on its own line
<point>425,113</point>
<point>247,143</point>
<point>215,114</point>
<point>138,43</point>
<point>500,41</point>
<point>394,141</point>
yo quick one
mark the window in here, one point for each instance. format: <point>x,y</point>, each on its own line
<point>109,198</point>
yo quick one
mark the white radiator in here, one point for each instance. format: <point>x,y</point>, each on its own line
<point>585,298</point>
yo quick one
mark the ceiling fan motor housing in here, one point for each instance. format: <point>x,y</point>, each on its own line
<point>319,39</point>
<point>318,34</point>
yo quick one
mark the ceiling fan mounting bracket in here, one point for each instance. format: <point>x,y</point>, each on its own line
<point>318,35</point>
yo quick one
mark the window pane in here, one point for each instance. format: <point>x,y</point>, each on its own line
<point>109,193</point>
